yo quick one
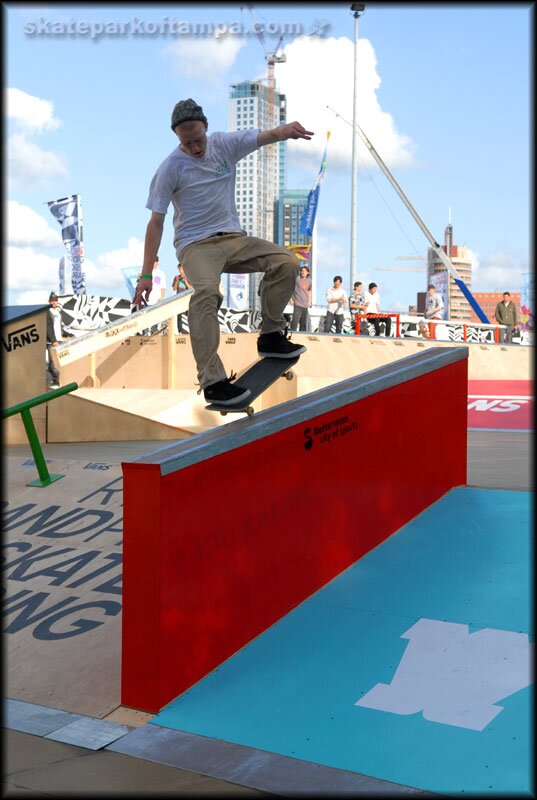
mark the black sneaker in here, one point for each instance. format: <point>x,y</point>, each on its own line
<point>224,393</point>
<point>278,345</point>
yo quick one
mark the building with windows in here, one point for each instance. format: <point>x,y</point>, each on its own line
<point>458,306</point>
<point>288,212</point>
<point>261,175</point>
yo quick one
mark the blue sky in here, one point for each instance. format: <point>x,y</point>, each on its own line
<point>444,96</point>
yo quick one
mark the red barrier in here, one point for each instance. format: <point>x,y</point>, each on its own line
<point>220,549</point>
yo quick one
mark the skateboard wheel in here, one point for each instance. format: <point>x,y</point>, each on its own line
<point>289,375</point>
<point>223,413</point>
<point>250,411</point>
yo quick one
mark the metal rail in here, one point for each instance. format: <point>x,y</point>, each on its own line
<point>24,408</point>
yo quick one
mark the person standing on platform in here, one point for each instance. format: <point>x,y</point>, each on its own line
<point>198,178</point>
<point>301,301</point>
<point>55,334</point>
<point>337,303</point>
<point>505,314</point>
<point>372,306</point>
<point>357,306</point>
<point>434,305</point>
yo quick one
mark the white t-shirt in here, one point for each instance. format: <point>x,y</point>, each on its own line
<point>57,323</point>
<point>434,306</point>
<point>372,303</point>
<point>202,190</point>
<point>159,283</point>
<point>335,299</point>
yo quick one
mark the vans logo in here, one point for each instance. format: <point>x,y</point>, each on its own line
<point>21,337</point>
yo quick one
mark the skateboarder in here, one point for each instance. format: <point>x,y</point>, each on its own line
<point>198,178</point>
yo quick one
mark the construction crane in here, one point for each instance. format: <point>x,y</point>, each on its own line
<point>268,153</point>
<point>270,57</point>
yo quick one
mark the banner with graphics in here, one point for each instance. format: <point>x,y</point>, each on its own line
<point>61,276</point>
<point>308,217</point>
<point>68,212</point>
<point>527,302</point>
<point>440,283</point>
<point>238,291</point>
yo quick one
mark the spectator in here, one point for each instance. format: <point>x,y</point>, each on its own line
<point>301,300</point>
<point>505,314</point>
<point>56,333</point>
<point>337,302</point>
<point>357,306</point>
<point>179,284</point>
<point>434,305</point>
<point>372,305</point>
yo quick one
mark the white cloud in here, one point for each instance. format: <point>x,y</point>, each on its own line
<point>319,73</point>
<point>498,271</point>
<point>33,274</point>
<point>130,256</point>
<point>30,270</point>
<point>26,227</point>
<point>206,60</point>
<point>28,164</point>
<point>31,114</point>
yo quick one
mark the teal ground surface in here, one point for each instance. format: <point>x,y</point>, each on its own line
<point>293,690</point>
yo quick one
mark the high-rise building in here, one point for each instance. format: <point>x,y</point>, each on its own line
<point>458,305</point>
<point>260,175</point>
<point>289,210</point>
<point>288,213</point>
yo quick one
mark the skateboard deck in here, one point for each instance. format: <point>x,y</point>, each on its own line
<point>257,379</point>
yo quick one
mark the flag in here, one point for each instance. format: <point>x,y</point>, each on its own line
<point>68,213</point>
<point>308,217</point>
<point>61,276</point>
<point>300,250</point>
<point>131,278</point>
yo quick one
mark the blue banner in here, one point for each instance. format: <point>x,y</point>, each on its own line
<point>307,220</point>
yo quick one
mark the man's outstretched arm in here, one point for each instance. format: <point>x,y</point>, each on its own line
<point>293,130</point>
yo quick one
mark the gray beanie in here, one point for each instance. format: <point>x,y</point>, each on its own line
<point>187,111</point>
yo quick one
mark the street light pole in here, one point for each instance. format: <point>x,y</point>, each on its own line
<point>357,9</point>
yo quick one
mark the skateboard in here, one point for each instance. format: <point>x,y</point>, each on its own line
<point>257,379</point>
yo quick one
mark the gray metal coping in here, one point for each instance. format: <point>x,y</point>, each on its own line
<point>202,446</point>
<point>248,766</point>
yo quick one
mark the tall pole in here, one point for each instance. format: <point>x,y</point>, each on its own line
<point>357,9</point>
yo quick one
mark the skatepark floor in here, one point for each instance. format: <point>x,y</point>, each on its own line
<point>41,767</point>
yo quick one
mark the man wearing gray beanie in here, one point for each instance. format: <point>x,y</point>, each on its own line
<point>198,179</point>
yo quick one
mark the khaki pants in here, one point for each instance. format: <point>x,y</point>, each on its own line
<point>203,264</point>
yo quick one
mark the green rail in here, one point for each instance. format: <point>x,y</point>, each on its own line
<point>45,479</point>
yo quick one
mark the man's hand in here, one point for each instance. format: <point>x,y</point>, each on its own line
<point>294,130</point>
<point>143,290</point>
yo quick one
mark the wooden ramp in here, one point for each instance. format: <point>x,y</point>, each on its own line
<point>104,415</point>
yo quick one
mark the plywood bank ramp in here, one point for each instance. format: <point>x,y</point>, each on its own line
<point>228,531</point>
<point>107,415</point>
